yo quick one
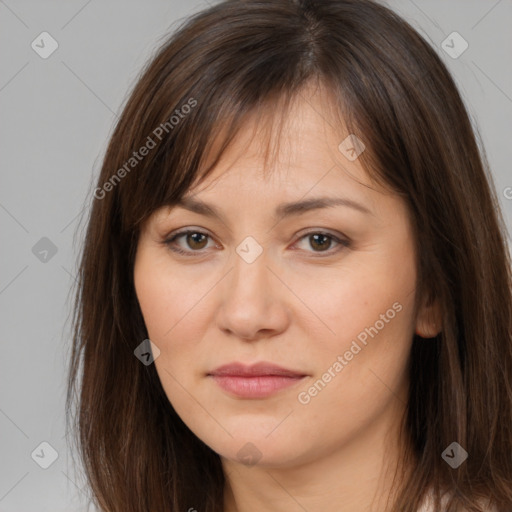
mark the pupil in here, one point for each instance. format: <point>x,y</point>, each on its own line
<point>195,235</point>
<point>325,237</point>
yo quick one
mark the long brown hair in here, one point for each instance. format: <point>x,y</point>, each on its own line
<point>392,90</point>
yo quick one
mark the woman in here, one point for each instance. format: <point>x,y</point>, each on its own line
<point>326,329</point>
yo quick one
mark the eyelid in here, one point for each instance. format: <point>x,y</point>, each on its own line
<point>340,239</point>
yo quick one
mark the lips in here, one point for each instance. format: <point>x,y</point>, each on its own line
<point>259,380</point>
<point>255,370</point>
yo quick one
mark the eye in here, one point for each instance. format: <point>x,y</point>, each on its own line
<point>195,238</point>
<point>322,240</point>
<point>197,241</point>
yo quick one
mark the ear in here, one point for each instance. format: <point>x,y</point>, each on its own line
<point>429,319</point>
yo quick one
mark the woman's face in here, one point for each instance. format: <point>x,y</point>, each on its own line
<point>271,284</point>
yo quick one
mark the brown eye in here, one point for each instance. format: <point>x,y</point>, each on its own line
<point>195,242</point>
<point>322,242</point>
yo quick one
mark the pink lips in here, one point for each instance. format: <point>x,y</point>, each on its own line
<point>256,381</point>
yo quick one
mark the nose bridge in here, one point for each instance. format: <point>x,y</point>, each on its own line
<point>250,302</point>
<point>250,274</point>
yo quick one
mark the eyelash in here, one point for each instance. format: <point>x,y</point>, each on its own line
<point>169,241</point>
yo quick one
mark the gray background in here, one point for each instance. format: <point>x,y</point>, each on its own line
<point>56,117</point>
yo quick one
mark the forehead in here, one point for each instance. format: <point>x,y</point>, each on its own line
<point>297,145</point>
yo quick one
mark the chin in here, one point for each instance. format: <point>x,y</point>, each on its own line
<point>261,449</point>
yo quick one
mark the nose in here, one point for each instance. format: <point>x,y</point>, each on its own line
<point>253,300</point>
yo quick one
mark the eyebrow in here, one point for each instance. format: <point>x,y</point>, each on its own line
<point>283,210</point>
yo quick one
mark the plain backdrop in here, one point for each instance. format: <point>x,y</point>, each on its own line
<point>57,114</point>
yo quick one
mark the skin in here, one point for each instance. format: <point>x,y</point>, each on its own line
<point>300,305</point>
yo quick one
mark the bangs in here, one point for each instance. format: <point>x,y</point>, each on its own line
<point>190,153</point>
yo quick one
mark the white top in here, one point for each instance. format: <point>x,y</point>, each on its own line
<point>428,504</point>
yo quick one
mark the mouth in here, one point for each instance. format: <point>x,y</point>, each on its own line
<point>259,380</point>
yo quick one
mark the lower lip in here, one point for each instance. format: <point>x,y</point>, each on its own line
<point>254,387</point>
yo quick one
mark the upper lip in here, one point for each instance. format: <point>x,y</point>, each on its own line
<point>258,369</point>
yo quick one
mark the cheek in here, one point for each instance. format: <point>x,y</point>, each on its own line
<point>364,334</point>
<point>173,306</point>
<point>154,299</point>
<point>341,305</point>
<point>166,297</point>
<point>361,371</point>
